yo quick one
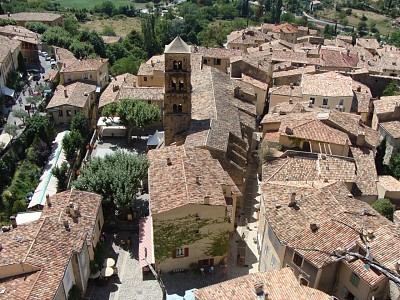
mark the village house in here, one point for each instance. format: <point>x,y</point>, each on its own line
<point>9,50</point>
<point>68,100</point>
<point>151,73</point>
<point>54,251</point>
<point>216,57</point>
<point>190,192</point>
<point>386,109</point>
<point>110,39</point>
<point>287,32</point>
<point>389,188</point>
<point>46,18</point>
<point>271,285</point>
<point>314,230</point>
<point>246,38</point>
<point>29,39</point>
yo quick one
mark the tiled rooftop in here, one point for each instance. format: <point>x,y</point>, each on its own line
<point>284,28</point>
<point>216,52</point>
<point>112,91</point>
<point>366,172</point>
<point>255,82</point>
<point>287,90</point>
<point>45,246</point>
<point>175,184</point>
<point>77,95</point>
<point>386,104</point>
<point>31,16</point>
<point>393,128</point>
<point>279,284</point>
<point>7,45</point>
<point>147,69</point>
<point>297,71</point>
<point>21,33</point>
<point>142,93</point>
<point>329,84</point>
<point>371,276</point>
<point>315,131</point>
<point>335,213</point>
<point>75,65</point>
<point>63,54</point>
<point>389,183</point>
<point>338,59</point>
<point>301,166</point>
<point>110,39</point>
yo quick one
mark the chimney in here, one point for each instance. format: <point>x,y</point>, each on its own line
<point>207,200</point>
<point>291,85</point>
<point>260,48</point>
<point>359,88</point>
<point>152,63</point>
<point>259,287</point>
<point>197,179</point>
<point>292,199</point>
<point>288,131</point>
<point>396,265</point>
<point>314,227</point>
<point>48,202</point>
<point>169,162</point>
<point>13,221</point>
<point>360,139</point>
<point>65,93</point>
<point>348,52</point>
<point>115,87</point>
<point>370,234</point>
<point>66,223</point>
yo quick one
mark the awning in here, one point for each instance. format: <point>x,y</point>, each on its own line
<point>8,92</point>
<point>146,246</point>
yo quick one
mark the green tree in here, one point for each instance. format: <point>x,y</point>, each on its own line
<point>150,43</point>
<point>81,16</point>
<point>18,206</point>
<point>362,28</point>
<point>110,110</point>
<point>71,26</point>
<point>11,129</point>
<point>60,172</point>
<point>115,177</point>
<point>21,114</point>
<point>34,100</point>
<point>288,17</point>
<point>364,18</point>
<point>384,207</point>
<point>394,165</point>
<point>137,114</point>
<point>391,89</point>
<point>57,36</point>
<point>71,144</point>
<point>93,38</point>
<point>106,7</point>
<point>21,64</point>
<point>81,49</point>
<point>37,27</point>
<point>81,124</point>
<point>381,168</point>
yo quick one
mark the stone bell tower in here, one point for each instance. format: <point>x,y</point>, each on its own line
<point>177,94</point>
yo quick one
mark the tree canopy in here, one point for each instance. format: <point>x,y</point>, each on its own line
<point>391,89</point>
<point>71,144</point>
<point>384,207</point>
<point>115,177</point>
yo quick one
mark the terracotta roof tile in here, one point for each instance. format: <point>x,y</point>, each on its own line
<point>366,172</point>
<point>175,185</point>
<point>393,128</point>
<point>112,91</point>
<point>386,104</point>
<point>77,95</point>
<point>75,65</point>
<point>329,84</point>
<point>31,16</point>
<point>389,183</point>
<point>279,284</point>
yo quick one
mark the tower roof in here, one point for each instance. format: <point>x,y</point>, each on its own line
<point>177,46</point>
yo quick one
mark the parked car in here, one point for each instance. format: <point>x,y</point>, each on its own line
<point>48,58</point>
<point>44,53</point>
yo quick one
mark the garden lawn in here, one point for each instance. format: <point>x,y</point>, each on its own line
<point>121,26</point>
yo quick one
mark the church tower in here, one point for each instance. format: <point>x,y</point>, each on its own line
<point>177,93</point>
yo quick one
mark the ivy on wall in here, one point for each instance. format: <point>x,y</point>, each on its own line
<point>219,244</point>
<point>170,235</point>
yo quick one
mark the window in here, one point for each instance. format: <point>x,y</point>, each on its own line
<point>174,108</point>
<point>197,232</point>
<point>325,101</point>
<point>297,260</point>
<point>179,65</point>
<point>179,108</point>
<point>217,61</point>
<point>354,279</point>
<point>75,112</point>
<point>273,262</point>
<point>266,250</point>
<point>341,101</point>
<point>180,252</point>
<point>148,101</point>
<point>175,65</point>
<point>68,112</point>
<point>205,61</point>
<point>91,76</point>
<point>145,78</point>
<point>312,100</point>
<point>60,113</point>
<point>303,281</point>
<point>181,86</point>
<point>173,84</point>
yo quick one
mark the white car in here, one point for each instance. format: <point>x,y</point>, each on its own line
<point>48,58</point>
<point>44,54</point>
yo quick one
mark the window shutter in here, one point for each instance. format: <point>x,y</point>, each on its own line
<point>186,252</point>
<point>174,253</point>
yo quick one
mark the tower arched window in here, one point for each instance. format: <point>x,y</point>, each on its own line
<point>180,65</point>
<point>179,108</point>
<point>174,108</point>
<point>175,65</point>
<point>173,84</point>
<point>181,86</point>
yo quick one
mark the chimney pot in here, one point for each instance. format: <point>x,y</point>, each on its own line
<point>13,221</point>
<point>169,162</point>
<point>197,179</point>
<point>292,199</point>
<point>65,93</point>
